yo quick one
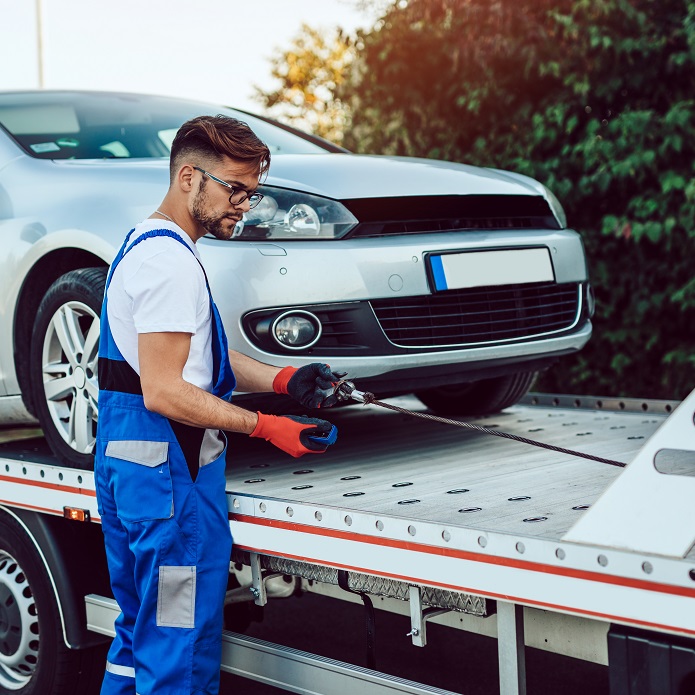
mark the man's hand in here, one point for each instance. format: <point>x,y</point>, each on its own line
<point>311,385</point>
<point>292,434</point>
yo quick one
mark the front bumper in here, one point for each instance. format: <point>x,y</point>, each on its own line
<point>403,373</point>
<point>351,275</point>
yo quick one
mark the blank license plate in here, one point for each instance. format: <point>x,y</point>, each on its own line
<point>455,271</point>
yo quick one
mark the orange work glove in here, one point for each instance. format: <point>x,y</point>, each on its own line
<point>292,433</point>
<point>311,385</point>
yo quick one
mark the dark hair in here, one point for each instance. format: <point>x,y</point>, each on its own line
<point>211,138</point>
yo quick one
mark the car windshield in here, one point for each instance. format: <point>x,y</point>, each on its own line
<point>74,125</point>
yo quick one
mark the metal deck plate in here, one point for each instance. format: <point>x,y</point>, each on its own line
<point>393,465</point>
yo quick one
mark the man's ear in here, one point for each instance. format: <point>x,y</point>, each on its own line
<point>184,178</point>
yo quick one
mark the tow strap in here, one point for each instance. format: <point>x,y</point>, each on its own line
<point>345,390</point>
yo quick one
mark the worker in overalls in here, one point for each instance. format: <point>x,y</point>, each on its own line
<point>166,378</point>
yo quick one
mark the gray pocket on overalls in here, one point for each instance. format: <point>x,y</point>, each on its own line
<point>176,596</point>
<point>141,479</point>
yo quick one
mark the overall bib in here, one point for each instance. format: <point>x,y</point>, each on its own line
<point>161,496</point>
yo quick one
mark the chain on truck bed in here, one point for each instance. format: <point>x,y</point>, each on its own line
<point>345,390</point>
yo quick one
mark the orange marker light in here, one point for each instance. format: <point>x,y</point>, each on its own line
<point>76,514</point>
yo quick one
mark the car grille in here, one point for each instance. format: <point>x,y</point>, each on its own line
<point>427,214</point>
<point>479,315</point>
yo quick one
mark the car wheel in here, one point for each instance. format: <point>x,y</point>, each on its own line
<point>64,353</point>
<point>34,659</point>
<point>480,397</point>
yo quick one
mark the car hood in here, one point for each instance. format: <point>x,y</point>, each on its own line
<point>350,176</point>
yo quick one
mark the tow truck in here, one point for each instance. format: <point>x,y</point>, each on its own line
<point>532,546</point>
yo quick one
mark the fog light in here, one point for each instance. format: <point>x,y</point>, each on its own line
<point>296,330</point>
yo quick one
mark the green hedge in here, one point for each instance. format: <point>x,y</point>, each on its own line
<point>596,99</point>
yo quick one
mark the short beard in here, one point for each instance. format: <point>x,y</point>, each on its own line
<point>211,224</point>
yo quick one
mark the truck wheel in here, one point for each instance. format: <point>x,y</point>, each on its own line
<point>34,659</point>
<point>64,351</point>
<point>480,397</point>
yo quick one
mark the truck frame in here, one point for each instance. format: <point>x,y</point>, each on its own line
<point>482,534</point>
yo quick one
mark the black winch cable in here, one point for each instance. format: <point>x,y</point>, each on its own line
<point>346,389</point>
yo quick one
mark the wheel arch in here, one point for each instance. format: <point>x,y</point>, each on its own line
<point>37,281</point>
<point>58,553</point>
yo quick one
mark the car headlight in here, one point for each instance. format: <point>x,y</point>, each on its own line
<point>285,214</point>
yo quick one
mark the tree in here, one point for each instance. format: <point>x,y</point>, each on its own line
<point>309,75</point>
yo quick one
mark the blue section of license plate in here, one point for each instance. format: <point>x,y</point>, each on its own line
<point>438,275</point>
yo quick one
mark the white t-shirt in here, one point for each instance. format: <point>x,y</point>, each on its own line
<point>159,286</point>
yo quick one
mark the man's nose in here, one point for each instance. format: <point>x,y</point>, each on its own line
<point>244,205</point>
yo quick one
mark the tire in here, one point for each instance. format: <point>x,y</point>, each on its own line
<point>34,659</point>
<point>63,364</point>
<point>480,397</point>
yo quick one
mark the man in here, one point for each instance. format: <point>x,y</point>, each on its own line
<point>166,378</point>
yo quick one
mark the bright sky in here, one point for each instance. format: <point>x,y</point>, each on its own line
<point>213,50</point>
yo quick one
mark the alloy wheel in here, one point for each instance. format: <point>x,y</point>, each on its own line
<point>69,370</point>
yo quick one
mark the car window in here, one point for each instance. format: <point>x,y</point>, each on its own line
<point>79,125</point>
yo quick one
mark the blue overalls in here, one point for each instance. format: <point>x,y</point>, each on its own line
<point>161,496</point>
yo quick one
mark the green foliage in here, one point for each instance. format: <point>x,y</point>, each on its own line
<point>596,99</point>
<point>308,76</point>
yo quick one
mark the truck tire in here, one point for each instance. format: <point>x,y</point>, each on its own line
<point>34,659</point>
<point>63,364</point>
<point>480,397</point>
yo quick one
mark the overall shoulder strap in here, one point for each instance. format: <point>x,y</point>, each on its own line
<point>119,257</point>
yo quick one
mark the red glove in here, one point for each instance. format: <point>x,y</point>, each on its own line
<point>291,433</point>
<point>311,385</point>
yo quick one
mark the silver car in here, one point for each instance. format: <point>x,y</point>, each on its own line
<point>453,282</point>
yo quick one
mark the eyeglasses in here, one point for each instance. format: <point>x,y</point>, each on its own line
<point>237,195</point>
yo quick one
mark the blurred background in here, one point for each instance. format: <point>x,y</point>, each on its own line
<point>594,98</point>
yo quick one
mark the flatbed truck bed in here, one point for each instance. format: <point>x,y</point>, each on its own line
<point>477,532</point>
